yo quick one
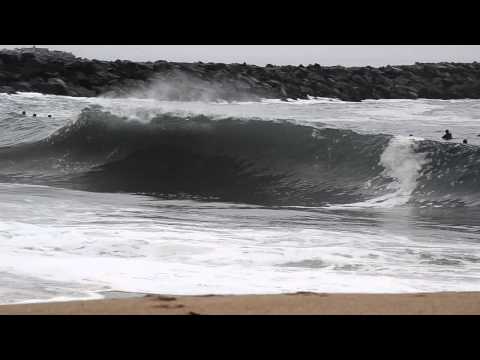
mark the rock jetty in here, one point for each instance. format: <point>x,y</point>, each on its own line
<point>61,73</point>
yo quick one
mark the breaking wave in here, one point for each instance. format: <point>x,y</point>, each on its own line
<point>245,160</point>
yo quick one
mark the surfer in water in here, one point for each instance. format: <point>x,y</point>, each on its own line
<point>447,135</point>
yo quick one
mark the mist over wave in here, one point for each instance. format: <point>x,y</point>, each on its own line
<point>181,86</point>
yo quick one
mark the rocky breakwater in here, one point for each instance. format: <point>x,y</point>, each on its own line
<point>60,73</point>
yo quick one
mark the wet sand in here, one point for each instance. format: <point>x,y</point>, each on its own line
<point>292,304</point>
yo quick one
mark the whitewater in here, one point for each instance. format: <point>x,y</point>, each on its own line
<point>321,195</point>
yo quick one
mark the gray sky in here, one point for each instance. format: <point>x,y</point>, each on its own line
<point>347,55</point>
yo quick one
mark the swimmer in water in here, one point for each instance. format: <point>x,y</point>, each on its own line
<point>465,141</point>
<point>447,136</point>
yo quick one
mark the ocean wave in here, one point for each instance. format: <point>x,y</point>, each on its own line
<point>244,160</point>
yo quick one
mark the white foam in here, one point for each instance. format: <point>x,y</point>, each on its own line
<point>402,164</point>
<point>74,243</point>
<point>311,100</point>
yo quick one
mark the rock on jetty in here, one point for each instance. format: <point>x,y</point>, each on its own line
<point>60,73</point>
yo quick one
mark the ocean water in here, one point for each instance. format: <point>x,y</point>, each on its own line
<point>319,195</point>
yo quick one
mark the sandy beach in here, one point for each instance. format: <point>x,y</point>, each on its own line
<point>451,303</point>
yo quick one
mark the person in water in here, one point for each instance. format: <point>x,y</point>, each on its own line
<point>465,141</point>
<point>447,135</point>
<point>24,113</point>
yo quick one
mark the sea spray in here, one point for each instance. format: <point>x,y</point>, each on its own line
<point>402,164</point>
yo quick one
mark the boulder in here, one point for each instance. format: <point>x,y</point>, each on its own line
<point>7,90</point>
<point>23,86</point>
<point>53,86</point>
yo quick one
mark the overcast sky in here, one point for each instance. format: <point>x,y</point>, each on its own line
<point>347,55</point>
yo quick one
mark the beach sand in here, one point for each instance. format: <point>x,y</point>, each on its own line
<point>299,303</point>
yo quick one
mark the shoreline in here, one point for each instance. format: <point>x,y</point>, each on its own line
<point>303,303</point>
